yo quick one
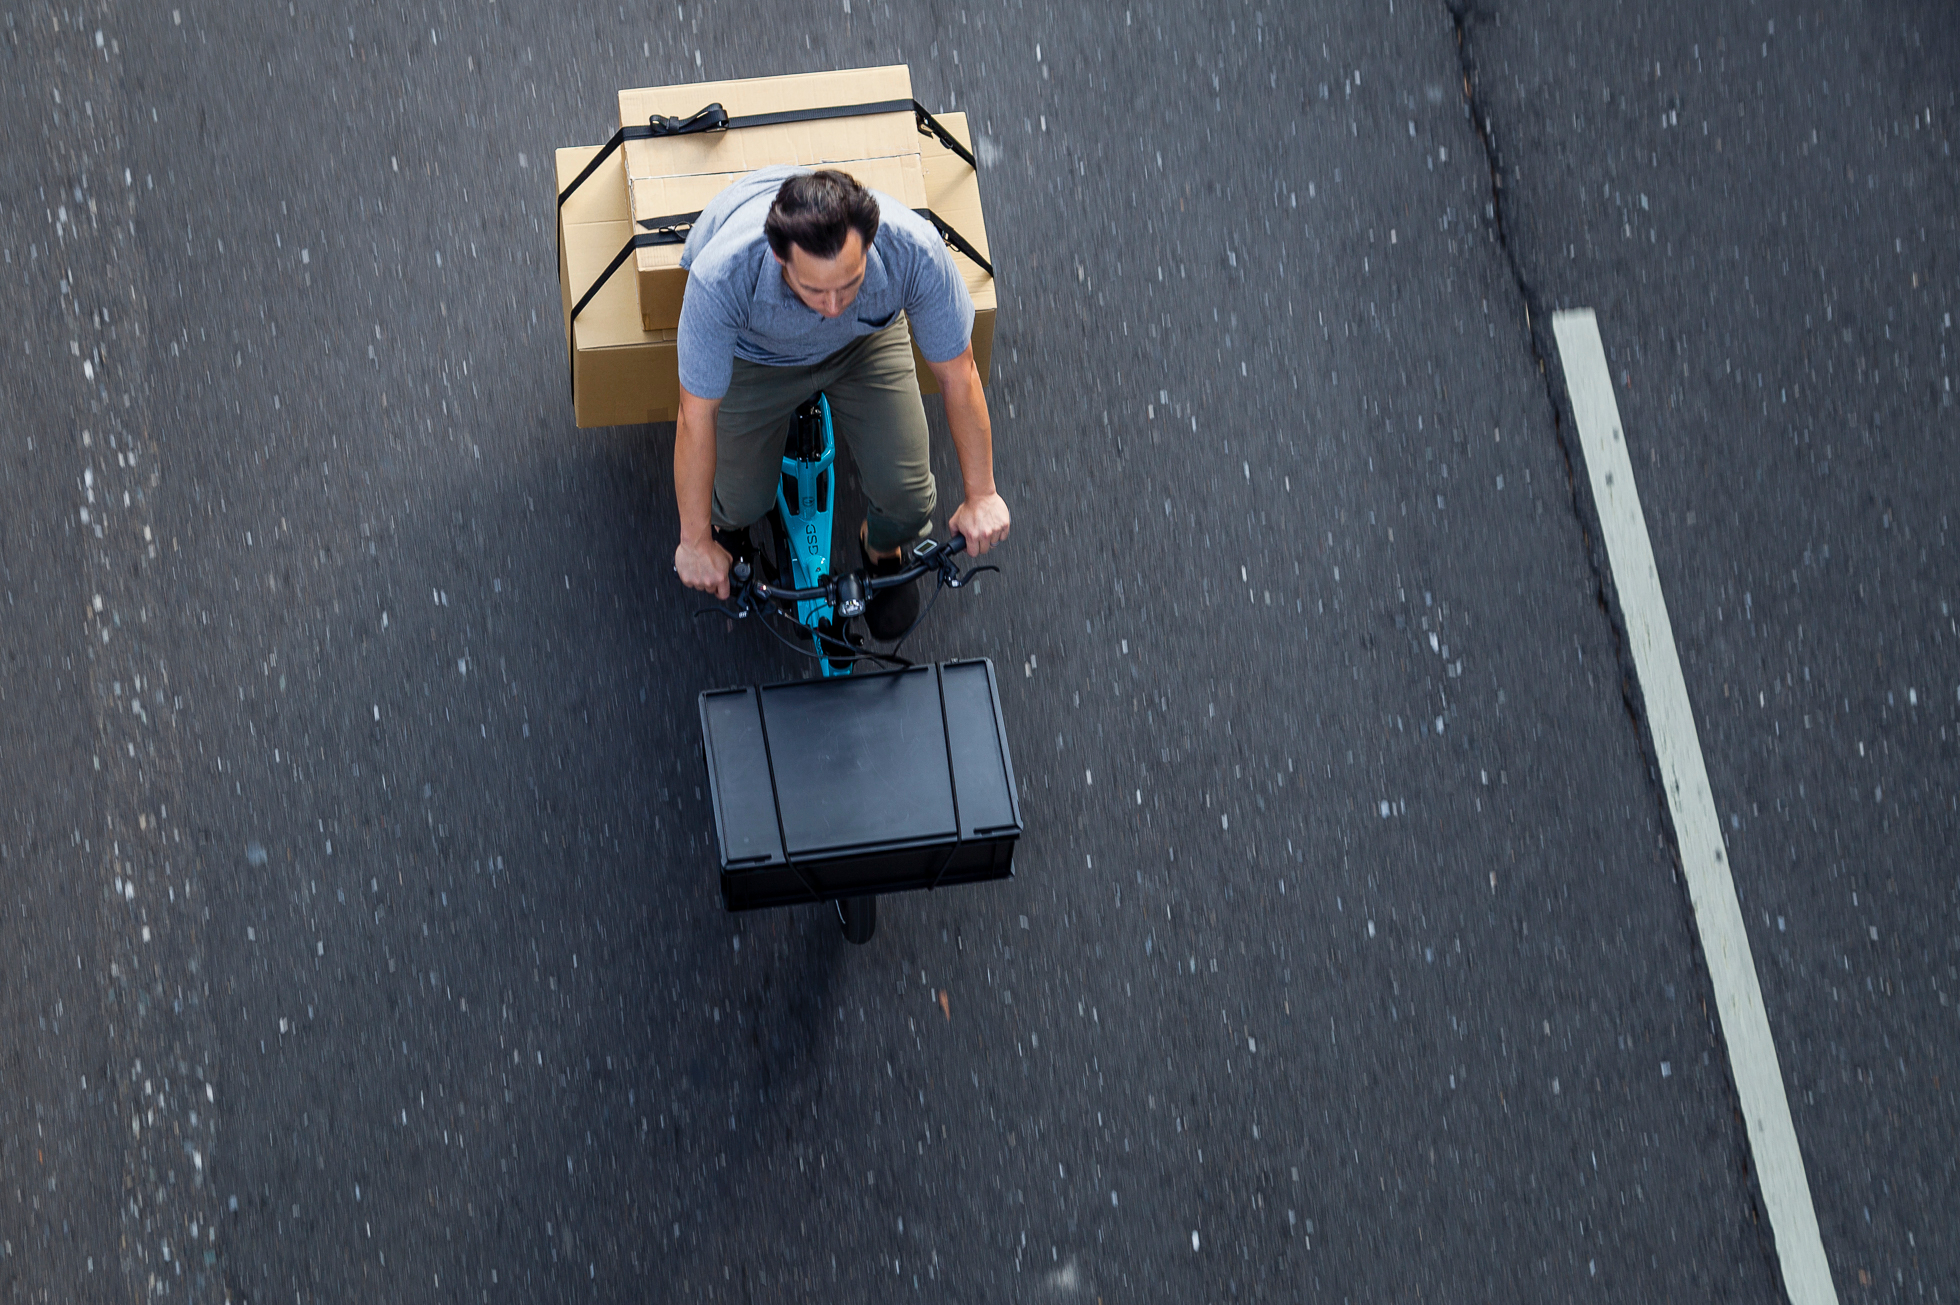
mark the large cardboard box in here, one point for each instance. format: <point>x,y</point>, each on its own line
<point>953,192</point>
<point>670,176</point>
<point>622,374</point>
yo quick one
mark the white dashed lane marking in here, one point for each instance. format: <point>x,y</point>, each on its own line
<point>1704,856</point>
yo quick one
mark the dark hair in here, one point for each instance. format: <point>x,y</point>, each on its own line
<point>816,210</point>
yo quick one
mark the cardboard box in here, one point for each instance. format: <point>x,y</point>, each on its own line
<point>622,374</point>
<point>671,175</point>
<point>663,282</point>
<point>953,192</point>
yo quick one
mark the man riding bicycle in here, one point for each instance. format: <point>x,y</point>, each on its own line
<point>804,281</point>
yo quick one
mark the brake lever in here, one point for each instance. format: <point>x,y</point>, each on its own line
<point>952,577</point>
<point>744,604</point>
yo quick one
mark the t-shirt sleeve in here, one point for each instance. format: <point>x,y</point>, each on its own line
<point>705,344</point>
<point>936,302</point>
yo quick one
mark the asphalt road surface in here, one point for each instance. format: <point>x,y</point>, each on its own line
<point>360,923</point>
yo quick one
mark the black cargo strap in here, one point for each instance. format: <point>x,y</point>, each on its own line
<point>640,240</point>
<point>712,118</point>
<point>623,134</point>
<point>931,125</point>
<point>954,238</point>
<point>715,118</point>
<point>673,230</point>
<point>668,126</point>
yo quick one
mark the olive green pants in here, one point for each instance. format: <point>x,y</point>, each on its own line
<point>873,388</point>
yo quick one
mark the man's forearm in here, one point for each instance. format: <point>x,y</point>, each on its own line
<point>694,473</point>
<point>972,431</point>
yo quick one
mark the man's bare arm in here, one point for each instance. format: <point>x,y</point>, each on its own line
<point>699,561</point>
<point>983,517</point>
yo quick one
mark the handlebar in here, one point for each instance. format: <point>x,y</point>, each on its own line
<point>848,593</point>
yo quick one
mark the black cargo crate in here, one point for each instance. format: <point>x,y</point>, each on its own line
<point>870,783</point>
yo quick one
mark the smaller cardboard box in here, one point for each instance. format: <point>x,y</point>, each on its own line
<point>953,192</point>
<point>670,177</point>
<point>663,281</point>
<point>812,143</point>
<point>622,374</point>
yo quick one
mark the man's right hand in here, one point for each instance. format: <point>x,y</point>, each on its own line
<point>703,565</point>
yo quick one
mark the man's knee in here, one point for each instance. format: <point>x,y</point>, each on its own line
<point>740,502</point>
<point>903,515</point>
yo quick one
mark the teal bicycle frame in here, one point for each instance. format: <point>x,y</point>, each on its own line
<point>809,479</point>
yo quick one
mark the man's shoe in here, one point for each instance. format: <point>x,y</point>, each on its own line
<point>891,612</point>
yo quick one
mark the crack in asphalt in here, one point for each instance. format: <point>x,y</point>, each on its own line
<point>1462,16</point>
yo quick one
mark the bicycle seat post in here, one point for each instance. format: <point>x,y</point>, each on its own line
<point>806,431</point>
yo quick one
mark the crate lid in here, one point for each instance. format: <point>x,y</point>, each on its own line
<point>859,761</point>
<point>815,769</point>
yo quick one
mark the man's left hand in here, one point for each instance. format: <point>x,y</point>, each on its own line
<point>983,520</point>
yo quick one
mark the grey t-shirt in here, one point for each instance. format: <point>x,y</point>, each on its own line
<point>737,304</point>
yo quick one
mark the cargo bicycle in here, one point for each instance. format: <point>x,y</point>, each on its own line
<point>840,788</point>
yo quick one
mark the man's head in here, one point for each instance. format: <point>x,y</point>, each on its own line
<point>819,228</point>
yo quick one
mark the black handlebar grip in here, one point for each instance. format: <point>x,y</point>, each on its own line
<point>956,545</point>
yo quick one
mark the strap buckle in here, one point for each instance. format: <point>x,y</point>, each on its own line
<point>712,118</point>
<point>666,231</point>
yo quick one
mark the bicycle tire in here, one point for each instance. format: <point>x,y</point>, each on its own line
<point>859,918</point>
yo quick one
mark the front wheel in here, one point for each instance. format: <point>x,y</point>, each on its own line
<point>859,916</point>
